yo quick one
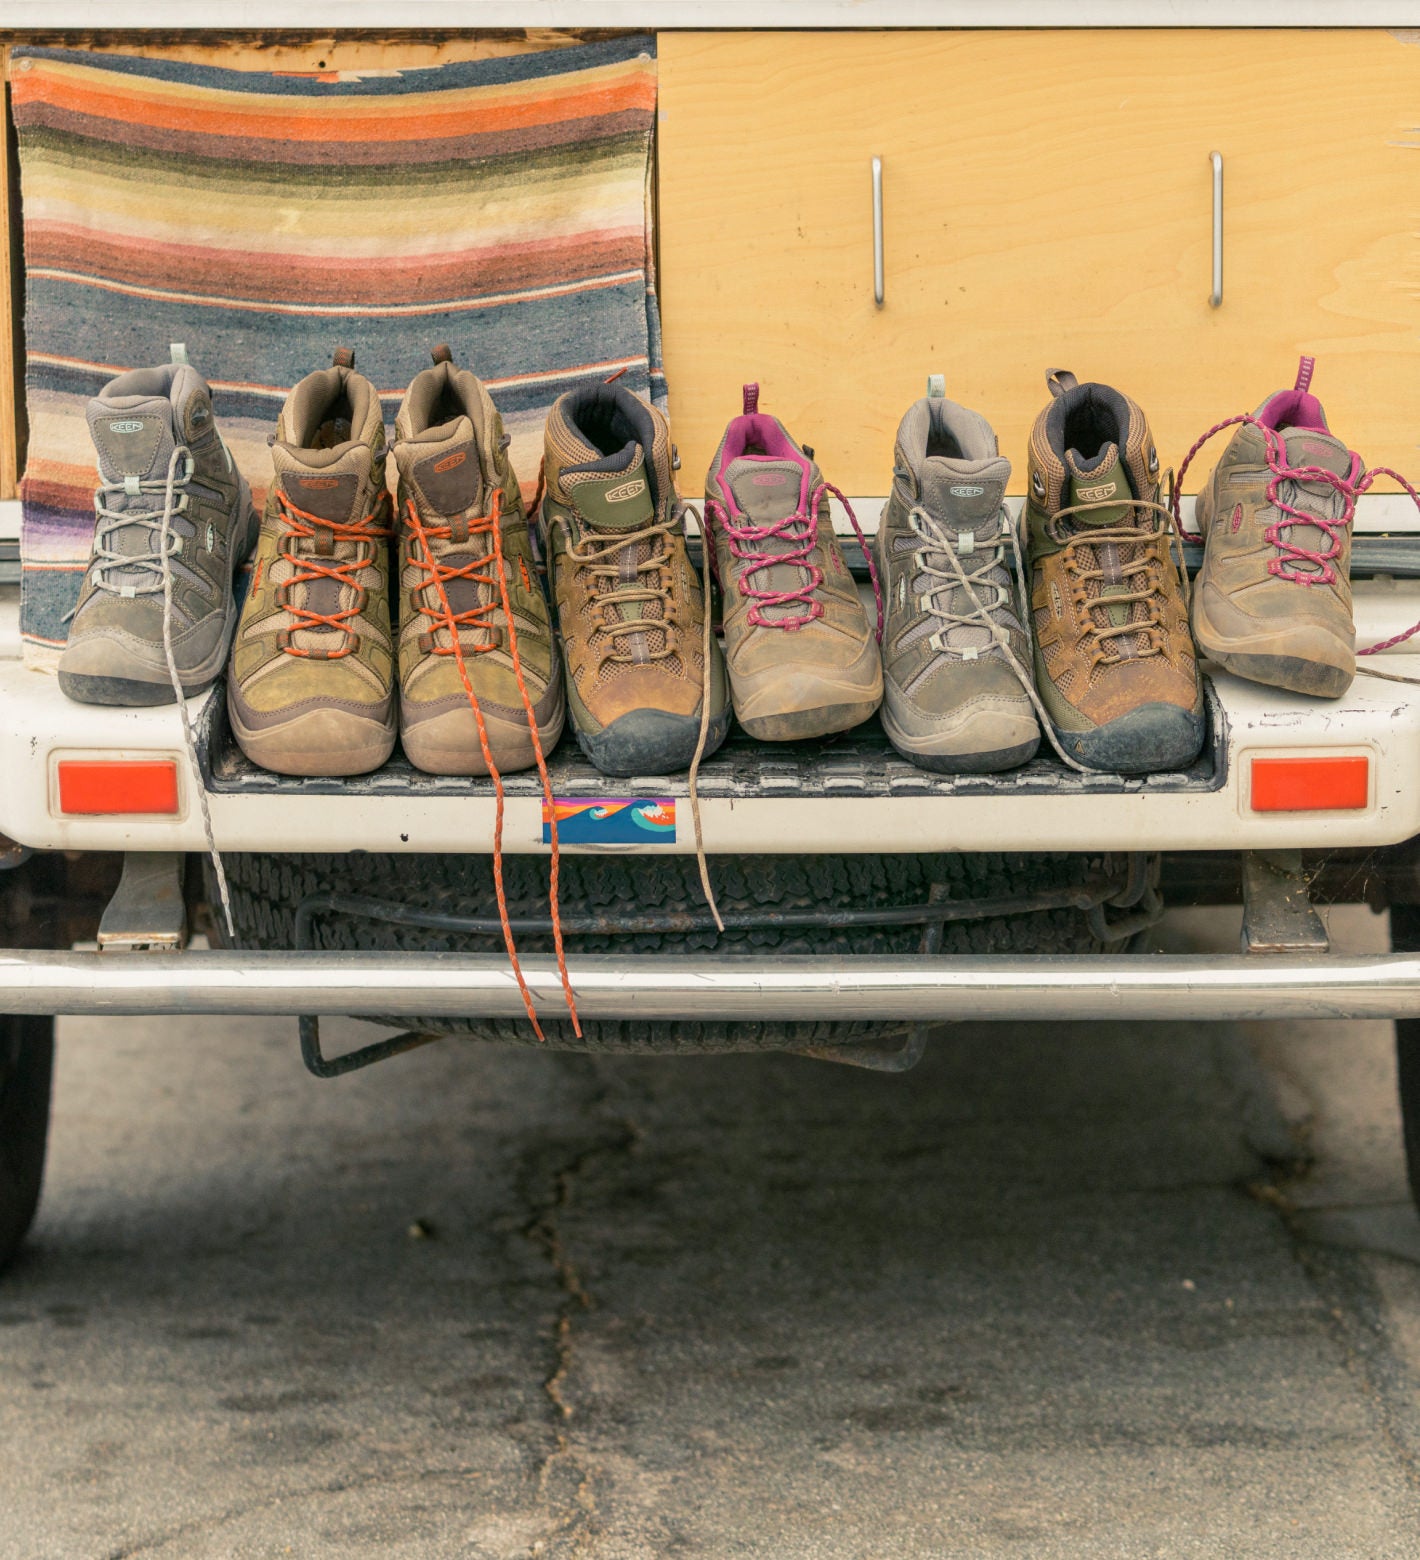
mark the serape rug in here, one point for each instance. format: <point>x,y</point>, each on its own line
<point>264,219</point>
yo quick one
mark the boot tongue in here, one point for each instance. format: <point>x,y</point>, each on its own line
<point>133,435</point>
<point>448,474</point>
<point>1105,479</point>
<point>1307,447</point>
<point>960,494</point>
<point>327,488</point>
<point>617,500</point>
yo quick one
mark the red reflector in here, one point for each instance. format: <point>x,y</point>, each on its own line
<point>116,786</point>
<point>1310,784</point>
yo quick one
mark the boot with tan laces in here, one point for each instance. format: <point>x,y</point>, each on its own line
<point>311,689</point>
<point>629,605</point>
<point>474,627</point>
<point>1114,662</point>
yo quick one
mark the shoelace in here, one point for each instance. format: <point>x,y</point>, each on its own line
<point>107,559</point>
<point>602,556</point>
<point>1289,552</point>
<point>1150,565</point>
<point>801,533</point>
<point>164,561</point>
<point>702,739</point>
<point>300,525</point>
<point>439,574</point>
<point>935,598</point>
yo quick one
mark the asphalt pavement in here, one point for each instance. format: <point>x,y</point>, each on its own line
<point>1067,1290</point>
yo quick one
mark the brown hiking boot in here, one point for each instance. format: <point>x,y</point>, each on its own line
<point>629,604</point>
<point>310,691</point>
<point>1114,663</point>
<point>466,563</point>
<point>802,655</point>
<point>1273,599</point>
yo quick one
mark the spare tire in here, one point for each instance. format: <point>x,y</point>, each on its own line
<point>267,889</point>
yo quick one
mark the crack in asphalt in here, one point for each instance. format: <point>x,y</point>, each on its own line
<point>544,1230</point>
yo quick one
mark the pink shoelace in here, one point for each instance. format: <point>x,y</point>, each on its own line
<point>1292,554</point>
<point>801,533</point>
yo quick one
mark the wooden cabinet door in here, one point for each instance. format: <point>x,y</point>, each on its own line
<point>1048,203</point>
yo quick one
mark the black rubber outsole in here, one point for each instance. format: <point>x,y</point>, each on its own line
<point>1291,672</point>
<point>86,689</point>
<point>1152,738</point>
<point>649,742</point>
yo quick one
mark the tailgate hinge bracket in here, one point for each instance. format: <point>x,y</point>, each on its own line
<point>1277,909</point>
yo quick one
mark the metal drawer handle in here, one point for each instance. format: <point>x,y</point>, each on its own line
<point>878,231</point>
<point>1216,296</point>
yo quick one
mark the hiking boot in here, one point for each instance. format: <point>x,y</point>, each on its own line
<point>471,605</point>
<point>1114,663</point>
<point>802,655</point>
<point>629,605</point>
<point>1273,599</point>
<point>311,690</point>
<point>162,464</point>
<point>952,700</point>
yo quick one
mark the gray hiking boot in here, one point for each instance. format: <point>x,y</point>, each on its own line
<point>162,465</point>
<point>952,701</point>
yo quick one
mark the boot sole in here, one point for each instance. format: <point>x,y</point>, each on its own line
<point>1295,673</point>
<point>650,742</point>
<point>86,688</point>
<point>927,752</point>
<point>798,725</point>
<point>510,743</point>
<point>1150,739</point>
<point>320,742</point>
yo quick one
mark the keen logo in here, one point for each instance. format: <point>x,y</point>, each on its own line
<point>1056,604</point>
<point>1237,517</point>
<point>1092,495</point>
<point>770,478</point>
<point>619,495</point>
<point>966,490</point>
<point>130,426</point>
<point>450,461</point>
<point>319,483</point>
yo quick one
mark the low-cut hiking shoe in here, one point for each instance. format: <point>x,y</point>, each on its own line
<point>952,698</point>
<point>467,579</point>
<point>802,655</point>
<point>1114,663</point>
<point>311,689</point>
<point>162,468</point>
<point>629,606</point>
<point>1272,601</point>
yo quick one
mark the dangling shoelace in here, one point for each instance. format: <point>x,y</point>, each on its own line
<point>311,567</point>
<point>801,533</point>
<point>1291,555</point>
<point>162,524</point>
<point>443,617</point>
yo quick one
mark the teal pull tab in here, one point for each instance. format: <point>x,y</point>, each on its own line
<point>177,351</point>
<point>936,387</point>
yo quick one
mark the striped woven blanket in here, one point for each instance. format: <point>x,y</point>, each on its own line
<point>263,219</point>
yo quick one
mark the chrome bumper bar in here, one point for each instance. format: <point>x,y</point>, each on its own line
<point>736,987</point>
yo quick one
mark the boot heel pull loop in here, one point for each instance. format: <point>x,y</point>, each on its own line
<point>443,353</point>
<point>936,387</point>
<point>343,357</point>
<point>751,400</point>
<point>1059,380</point>
<point>1305,368</point>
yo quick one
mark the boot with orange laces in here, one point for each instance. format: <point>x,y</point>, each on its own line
<point>466,561</point>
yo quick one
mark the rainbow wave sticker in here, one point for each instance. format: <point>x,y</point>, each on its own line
<point>634,820</point>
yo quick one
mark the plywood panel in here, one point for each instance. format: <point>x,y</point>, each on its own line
<point>1047,203</point>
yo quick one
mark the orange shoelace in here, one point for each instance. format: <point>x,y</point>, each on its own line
<point>310,568</point>
<point>479,618</point>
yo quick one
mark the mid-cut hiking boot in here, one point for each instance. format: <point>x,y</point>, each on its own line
<point>802,655</point>
<point>1273,599</point>
<point>162,465</point>
<point>1114,663</point>
<point>952,700</point>
<point>629,606</point>
<point>468,579</point>
<point>311,689</point>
